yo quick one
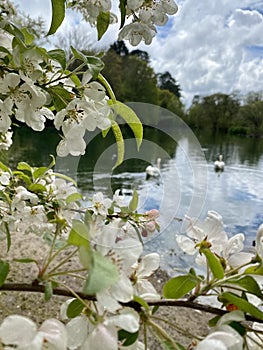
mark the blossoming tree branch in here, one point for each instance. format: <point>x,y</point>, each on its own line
<point>115,305</point>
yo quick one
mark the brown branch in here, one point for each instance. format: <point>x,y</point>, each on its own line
<point>24,287</point>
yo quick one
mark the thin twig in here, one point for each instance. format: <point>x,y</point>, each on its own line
<point>23,287</point>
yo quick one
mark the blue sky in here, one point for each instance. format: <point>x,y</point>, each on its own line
<point>208,46</point>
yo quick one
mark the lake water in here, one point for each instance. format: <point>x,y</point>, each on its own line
<point>187,184</point>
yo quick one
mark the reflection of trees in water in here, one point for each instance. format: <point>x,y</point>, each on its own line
<point>32,146</point>
<point>236,150</point>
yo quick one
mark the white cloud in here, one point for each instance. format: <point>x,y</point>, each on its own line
<point>209,46</point>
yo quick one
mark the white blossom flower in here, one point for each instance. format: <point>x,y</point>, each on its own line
<point>73,143</point>
<point>211,229</point>
<point>21,333</point>
<point>169,6</point>
<point>136,32</point>
<point>91,12</point>
<point>134,4</point>
<point>259,241</point>
<point>6,139</point>
<point>82,334</point>
<point>4,178</point>
<point>93,89</point>
<point>233,254</point>
<point>6,42</point>
<point>123,253</point>
<point>224,337</point>
<point>29,64</point>
<point>100,205</point>
<point>5,113</point>
<point>141,272</point>
<point>19,93</point>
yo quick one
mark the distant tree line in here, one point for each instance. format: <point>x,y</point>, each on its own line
<point>232,114</point>
<point>133,79</point>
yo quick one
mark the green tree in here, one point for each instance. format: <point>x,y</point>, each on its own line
<point>168,100</point>
<point>167,82</point>
<point>252,114</point>
<point>218,111</point>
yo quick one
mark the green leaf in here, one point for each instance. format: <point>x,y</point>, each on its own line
<point>28,37</point>
<point>5,168</point>
<point>122,7</point>
<point>59,56</point>
<point>39,172</point>
<point>58,14</point>
<point>103,21</point>
<point>134,201</point>
<point>48,291</point>
<point>127,338</point>
<point>65,177</point>
<point>102,275</point>
<point>60,96</point>
<point>142,302</point>
<point>79,234</point>
<point>24,166</point>
<point>178,286</point>
<point>4,49</point>
<point>248,283</point>
<point>73,77</point>
<point>241,303</point>
<point>78,55</point>
<point>73,197</point>
<point>85,257</point>
<point>74,308</point>
<point>213,263</point>
<point>131,119</point>
<point>4,270</point>
<point>120,143</point>
<point>95,65</point>
<point>238,327</point>
<point>26,261</point>
<point>23,177</point>
<point>12,29</point>
<point>8,236</point>
<point>255,270</point>
<point>36,188</point>
<point>213,321</point>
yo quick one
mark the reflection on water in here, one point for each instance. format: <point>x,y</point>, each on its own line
<point>236,193</point>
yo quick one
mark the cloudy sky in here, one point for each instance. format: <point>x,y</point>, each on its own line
<point>208,46</point>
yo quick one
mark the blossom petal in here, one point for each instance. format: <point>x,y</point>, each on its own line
<point>102,337</point>
<point>186,244</point>
<point>17,330</point>
<point>148,265</point>
<point>128,319</point>
<point>77,331</point>
<point>55,334</point>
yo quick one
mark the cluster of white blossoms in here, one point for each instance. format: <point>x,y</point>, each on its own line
<point>144,15</point>
<point>37,207</point>
<point>49,204</point>
<point>33,81</point>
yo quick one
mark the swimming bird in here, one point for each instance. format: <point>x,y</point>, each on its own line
<point>153,171</point>
<point>219,165</point>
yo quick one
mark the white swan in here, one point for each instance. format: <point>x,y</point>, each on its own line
<point>219,164</point>
<point>153,171</point>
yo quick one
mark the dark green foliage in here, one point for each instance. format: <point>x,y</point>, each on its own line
<point>167,82</point>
